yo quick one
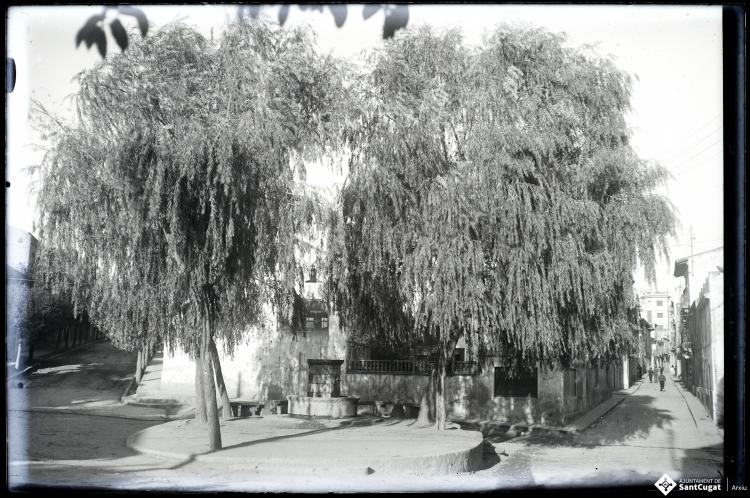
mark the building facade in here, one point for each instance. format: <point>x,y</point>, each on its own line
<point>20,250</point>
<point>700,328</point>
<point>657,309</point>
<point>271,364</point>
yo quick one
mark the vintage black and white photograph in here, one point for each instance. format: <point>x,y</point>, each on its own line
<point>366,247</point>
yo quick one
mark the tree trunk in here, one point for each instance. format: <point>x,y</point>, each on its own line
<point>226,407</point>
<point>212,413</point>
<point>58,338</point>
<point>440,416</point>
<point>427,405</point>
<point>444,356</point>
<point>138,367</point>
<point>67,335</point>
<point>200,400</point>
<point>19,347</point>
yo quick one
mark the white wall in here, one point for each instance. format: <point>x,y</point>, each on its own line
<point>268,364</point>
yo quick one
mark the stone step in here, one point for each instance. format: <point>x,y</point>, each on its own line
<point>138,400</point>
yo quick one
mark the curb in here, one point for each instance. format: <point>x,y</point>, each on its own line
<point>461,461</point>
<point>127,390</point>
<point>19,373</point>
<point>69,411</point>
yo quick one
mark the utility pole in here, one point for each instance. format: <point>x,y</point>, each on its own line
<point>692,239</point>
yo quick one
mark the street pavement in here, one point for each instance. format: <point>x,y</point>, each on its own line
<point>646,435</point>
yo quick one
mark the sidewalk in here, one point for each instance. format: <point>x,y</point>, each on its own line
<point>632,443</point>
<point>581,423</point>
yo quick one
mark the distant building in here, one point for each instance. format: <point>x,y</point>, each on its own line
<point>694,271</point>
<point>20,249</point>
<point>656,308</point>
<point>700,328</point>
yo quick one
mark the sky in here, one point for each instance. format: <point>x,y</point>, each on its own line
<point>674,53</point>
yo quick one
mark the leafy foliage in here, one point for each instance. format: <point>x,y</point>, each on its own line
<point>395,16</point>
<point>93,31</point>
<point>176,195</point>
<point>493,195</point>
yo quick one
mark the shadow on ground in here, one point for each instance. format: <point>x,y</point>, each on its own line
<point>637,420</point>
<point>44,436</point>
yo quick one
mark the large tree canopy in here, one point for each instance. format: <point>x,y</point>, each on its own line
<point>176,199</point>
<point>493,194</point>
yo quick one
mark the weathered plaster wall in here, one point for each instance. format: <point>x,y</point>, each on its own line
<point>271,364</point>
<point>404,388</point>
<point>268,364</point>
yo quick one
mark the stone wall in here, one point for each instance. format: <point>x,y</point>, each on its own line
<point>272,364</point>
<point>472,397</point>
<point>390,387</point>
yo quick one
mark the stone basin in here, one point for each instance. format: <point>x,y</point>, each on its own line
<point>330,407</point>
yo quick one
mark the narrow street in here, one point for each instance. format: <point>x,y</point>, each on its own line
<point>649,433</point>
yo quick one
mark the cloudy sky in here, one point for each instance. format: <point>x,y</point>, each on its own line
<point>675,52</point>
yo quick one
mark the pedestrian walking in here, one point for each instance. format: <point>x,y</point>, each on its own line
<point>662,380</point>
<point>650,374</point>
<point>661,370</point>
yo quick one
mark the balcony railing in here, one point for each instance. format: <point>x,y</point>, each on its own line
<point>463,368</point>
<point>408,367</point>
<point>397,367</point>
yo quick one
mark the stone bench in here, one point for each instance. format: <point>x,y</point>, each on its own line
<point>243,408</point>
<point>395,409</point>
<point>278,406</point>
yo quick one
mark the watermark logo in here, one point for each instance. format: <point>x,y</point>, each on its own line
<point>665,484</point>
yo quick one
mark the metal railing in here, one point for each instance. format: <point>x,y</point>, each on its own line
<point>397,367</point>
<point>408,367</point>
<point>463,368</point>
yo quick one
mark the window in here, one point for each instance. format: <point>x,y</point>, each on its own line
<point>660,315</point>
<point>569,382</point>
<point>650,316</point>
<point>459,354</point>
<point>516,384</point>
<point>660,303</point>
<point>315,314</point>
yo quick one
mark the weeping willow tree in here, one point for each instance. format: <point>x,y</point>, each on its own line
<point>174,206</point>
<point>493,195</point>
